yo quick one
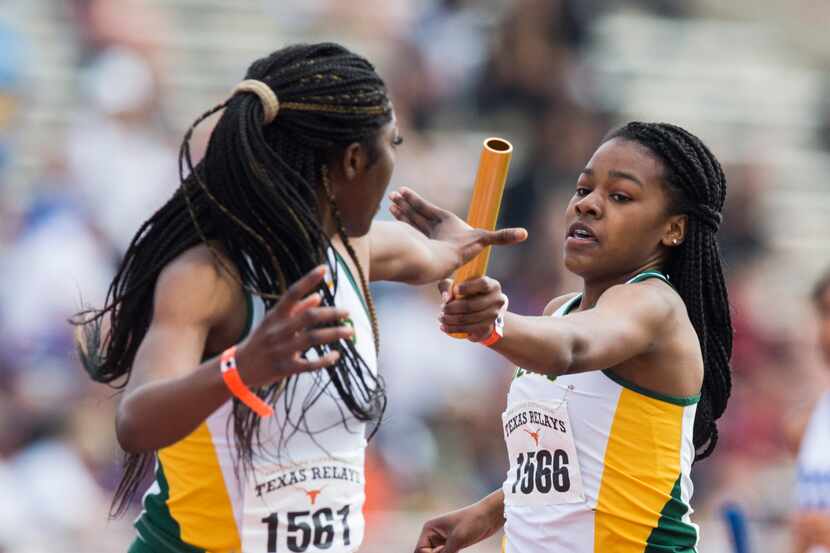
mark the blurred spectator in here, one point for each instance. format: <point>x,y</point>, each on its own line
<point>532,57</point>
<point>122,161</point>
<point>12,60</point>
<point>459,70</point>
<point>811,524</point>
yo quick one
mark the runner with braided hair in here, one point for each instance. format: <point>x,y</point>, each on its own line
<point>620,386</point>
<point>233,295</point>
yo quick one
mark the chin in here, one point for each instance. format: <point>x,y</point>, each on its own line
<point>580,266</point>
<point>574,264</point>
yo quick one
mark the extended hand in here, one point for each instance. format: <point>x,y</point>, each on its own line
<point>274,350</point>
<point>471,307</point>
<point>454,531</point>
<point>463,241</point>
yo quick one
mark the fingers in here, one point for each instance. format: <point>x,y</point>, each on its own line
<point>306,365</point>
<point>305,304</point>
<point>474,304</point>
<point>429,541</point>
<point>421,206</point>
<point>297,291</point>
<point>476,286</point>
<point>488,315</point>
<point>476,332</point>
<point>311,317</point>
<point>303,341</point>
<point>503,237</point>
<point>445,288</point>
<point>405,212</point>
<point>452,545</point>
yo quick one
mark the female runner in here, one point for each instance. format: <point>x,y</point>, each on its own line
<point>620,385</point>
<point>219,314</point>
<point>811,520</point>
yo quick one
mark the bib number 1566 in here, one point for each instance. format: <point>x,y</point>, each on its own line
<point>542,470</point>
<point>305,528</point>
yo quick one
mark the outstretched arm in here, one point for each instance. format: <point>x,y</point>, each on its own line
<point>428,243</point>
<point>627,321</point>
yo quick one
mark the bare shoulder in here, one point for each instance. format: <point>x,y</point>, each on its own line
<point>196,287</point>
<point>558,302</point>
<point>651,300</point>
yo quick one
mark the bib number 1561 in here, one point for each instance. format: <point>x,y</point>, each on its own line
<point>542,470</point>
<point>305,528</point>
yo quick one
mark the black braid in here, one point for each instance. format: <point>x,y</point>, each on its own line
<point>257,195</point>
<point>697,185</point>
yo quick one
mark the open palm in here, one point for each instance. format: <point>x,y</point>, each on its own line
<point>442,225</point>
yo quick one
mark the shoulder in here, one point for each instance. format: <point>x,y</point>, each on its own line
<point>196,286</point>
<point>652,300</point>
<point>558,302</point>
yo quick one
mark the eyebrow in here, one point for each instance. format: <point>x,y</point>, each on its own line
<point>614,174</point>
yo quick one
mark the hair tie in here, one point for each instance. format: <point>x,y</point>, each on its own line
<point>267,97</point>
<point>708,216</point>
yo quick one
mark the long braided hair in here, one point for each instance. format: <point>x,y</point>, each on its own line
<point>257,196</point>
<point>697,187</point>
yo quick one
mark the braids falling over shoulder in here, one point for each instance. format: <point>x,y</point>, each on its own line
<point>255,197</point>
<point>697,185</point>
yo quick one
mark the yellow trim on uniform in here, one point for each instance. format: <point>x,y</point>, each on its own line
<point>642,463</point>
<point>198,499</point>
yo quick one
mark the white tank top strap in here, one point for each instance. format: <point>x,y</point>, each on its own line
<point>572,303</point>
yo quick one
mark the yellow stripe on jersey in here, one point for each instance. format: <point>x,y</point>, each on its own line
<point>198,499</point>
<point>642,463</point>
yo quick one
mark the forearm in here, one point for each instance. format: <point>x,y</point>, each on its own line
<point>160,413</point>
<point>492,509</point>
<point>537,344</point>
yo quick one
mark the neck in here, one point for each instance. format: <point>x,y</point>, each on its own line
<point>594,287</point>
<point>326,216</point>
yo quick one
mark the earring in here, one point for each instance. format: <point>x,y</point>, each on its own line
<point>675,241</point>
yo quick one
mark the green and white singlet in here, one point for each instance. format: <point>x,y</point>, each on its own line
<point>597,464</point>
<point>306,492</point>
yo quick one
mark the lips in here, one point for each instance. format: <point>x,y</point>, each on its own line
<point>582,232</point>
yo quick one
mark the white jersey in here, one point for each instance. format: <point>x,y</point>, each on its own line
<point>306,491</point>
<point>597,464</point>
<point>814,459</point>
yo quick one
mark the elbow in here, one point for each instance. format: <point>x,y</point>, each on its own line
<point>128,431</point>
<point>563,358</point>
<point>560,363</point>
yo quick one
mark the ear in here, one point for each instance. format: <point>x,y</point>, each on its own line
<point>353,161</point>
<point>675,231</point>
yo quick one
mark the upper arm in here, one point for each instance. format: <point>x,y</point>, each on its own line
<point>627,321</point>
<point>192,295</point>
<point>397,252</point>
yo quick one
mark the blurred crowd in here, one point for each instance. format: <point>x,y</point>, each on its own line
<point>457,73</point>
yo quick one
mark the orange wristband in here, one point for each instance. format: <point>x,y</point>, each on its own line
<point>497,334</point>
<point>233,381</point>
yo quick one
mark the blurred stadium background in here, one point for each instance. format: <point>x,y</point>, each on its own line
<point>96,94</point>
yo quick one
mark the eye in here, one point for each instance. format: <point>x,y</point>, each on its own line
<point>397,141</point>
<point>620,198</point>
<point>581,191</point>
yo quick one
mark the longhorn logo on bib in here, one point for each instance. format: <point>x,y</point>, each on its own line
<point>544,468</point>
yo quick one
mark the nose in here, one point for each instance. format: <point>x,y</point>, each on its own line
<point>589,205</point>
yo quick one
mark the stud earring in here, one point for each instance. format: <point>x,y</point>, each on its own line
<point>675,241</point>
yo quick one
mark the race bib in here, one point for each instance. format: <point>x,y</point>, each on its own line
<point>308,508</point>
<point>544,469</point>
